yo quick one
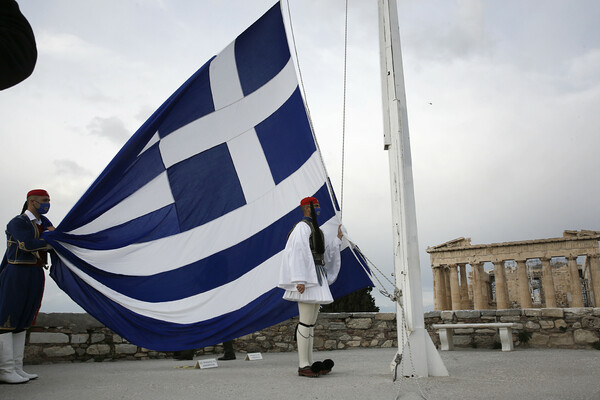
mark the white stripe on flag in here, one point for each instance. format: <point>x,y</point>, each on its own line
<point>224,80</point>
<point>157,256</point>
<point>227,123</point>
<point>153,196</point>
<point>221,300</point>
<point>251,165</point>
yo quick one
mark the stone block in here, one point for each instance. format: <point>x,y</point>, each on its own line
<point>126,349</point>
<point>583,336</point>
<point>318,342</point>
<point>374,343</point>
<point>337,326</point>
<point>488,313</point>
<point>510,319</point>
<point>392,316</point>
<point>59,351</point>
<point>552,312</point>
<point>596,311</point>
<point>359,323</point>
<point>78,338</point>
<point>447,315</point>
<point>590,322</point>
<point>48,337</point>
<point>577,312</point>
<point>532,326</point>
<point>387,344</point>
<point>98,337</point>
<point>562,339</point>
<point>345,337</point>
<point>539,339</point>
<point>560,323</point>
<point>576,325</point>
<point>546,324</point>
<point>117,339</point>
<point>532,312</point>
<point>98,349</point>
<point>467,314</point>
<point>508,312</point>
<point>330,344</point>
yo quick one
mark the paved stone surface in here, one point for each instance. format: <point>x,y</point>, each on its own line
<point>359,374</point>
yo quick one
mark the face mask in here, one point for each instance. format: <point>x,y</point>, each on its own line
<point>44,207</point>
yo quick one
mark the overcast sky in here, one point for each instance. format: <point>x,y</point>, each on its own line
<point>503,106</point>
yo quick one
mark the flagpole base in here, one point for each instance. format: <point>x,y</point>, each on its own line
<point>418,358</point>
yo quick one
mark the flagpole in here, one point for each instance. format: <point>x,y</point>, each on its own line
<point>415,347</point>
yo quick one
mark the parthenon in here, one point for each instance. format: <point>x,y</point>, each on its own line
<point>542,273</point>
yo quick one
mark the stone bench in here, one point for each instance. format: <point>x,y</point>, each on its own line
<point>446,333</point>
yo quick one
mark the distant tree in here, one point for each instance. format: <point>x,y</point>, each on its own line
<point>358,301</point>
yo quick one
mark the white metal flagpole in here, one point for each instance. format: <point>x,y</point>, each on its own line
<point>418,353</point>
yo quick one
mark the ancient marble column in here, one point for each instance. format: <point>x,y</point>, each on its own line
<point>438,293</point>
<point>476,285</point>
<point>576,295</point>
<point>485,298</point>
<point>523,282</point>
<point>548,283</point>
<point>464,288</point>
<point>454,287</point>
<point>501,292</point>
<point>595,272</point>
<point>442,291</point>
<point>448,299</point>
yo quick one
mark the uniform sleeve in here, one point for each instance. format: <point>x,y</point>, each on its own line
<point>297,265</point>
<point>333,259</point>
<point>21,231</point>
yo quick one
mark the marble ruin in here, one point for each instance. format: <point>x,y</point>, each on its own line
<point>544,273</point>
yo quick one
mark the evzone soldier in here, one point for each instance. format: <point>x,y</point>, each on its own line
<point>22,283</point>
<point>311,262</point>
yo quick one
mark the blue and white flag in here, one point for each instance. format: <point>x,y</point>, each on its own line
<point>178,243</point>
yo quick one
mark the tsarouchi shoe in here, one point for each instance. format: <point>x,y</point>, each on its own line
<point>308,372</point>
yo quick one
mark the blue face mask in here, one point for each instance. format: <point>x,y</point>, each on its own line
<point>43,208</point>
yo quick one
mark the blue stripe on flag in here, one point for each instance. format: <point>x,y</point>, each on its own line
<point>286,138</point>
<point>262,51</point>
<point>155,225</point>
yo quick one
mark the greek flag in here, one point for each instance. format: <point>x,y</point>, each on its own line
<point>178,243</point>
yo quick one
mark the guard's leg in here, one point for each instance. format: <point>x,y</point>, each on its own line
<point>303,340</point>
<point>313,321</point>
<point>7,361</point>
<point>18,352</point>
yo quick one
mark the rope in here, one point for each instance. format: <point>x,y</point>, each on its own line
<point>305,99</point>
<point>344,110</point>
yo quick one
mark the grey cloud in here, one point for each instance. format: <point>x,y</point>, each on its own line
<point>111,128</point>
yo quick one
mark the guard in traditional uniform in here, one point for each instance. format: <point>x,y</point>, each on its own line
<point>22,283</point>
<point>311,262</point>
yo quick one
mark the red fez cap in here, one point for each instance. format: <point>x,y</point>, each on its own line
<point>38,192</point>
<point>306,201</point>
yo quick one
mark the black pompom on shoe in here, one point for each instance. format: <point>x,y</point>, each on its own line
<point>327,366</point>
<point>316,367</point>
